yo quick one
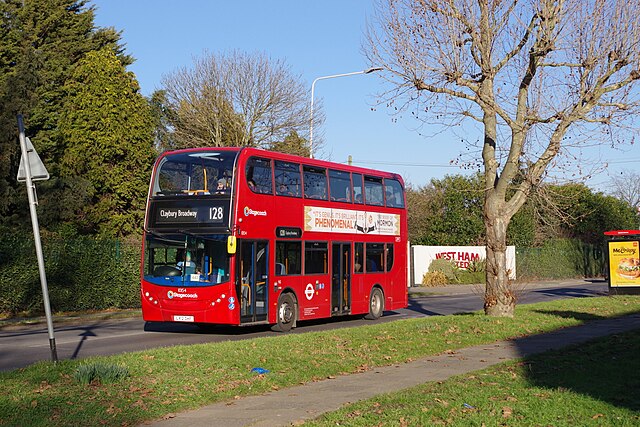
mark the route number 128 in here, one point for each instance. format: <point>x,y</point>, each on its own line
<point>216,214</point>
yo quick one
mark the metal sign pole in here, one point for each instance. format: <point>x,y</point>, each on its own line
<point>36,237</point>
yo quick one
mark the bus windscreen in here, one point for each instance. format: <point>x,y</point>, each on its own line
<point>177,260</point>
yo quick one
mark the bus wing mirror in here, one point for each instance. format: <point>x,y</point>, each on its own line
<point>231,245</point>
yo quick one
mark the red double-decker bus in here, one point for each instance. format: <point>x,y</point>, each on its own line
<point>244,236</point>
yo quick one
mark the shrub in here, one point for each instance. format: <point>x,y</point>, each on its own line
<point>434,278</point>
<point>448,268</point>
<point>471,277</point>
<point>479,266</point>
<point>473,274</point>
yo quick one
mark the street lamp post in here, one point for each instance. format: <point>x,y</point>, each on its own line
<point>313,85</point>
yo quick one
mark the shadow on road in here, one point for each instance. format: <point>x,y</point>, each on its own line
<point>171,327</point>
<point>247,330</point>
<point>570,292</point>
<point>416,306</point>
<point>88,332</point>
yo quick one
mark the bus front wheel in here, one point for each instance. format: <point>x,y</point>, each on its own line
<point>376,305</point>
<point>286,315</point>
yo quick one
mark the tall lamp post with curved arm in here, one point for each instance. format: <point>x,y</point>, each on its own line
<point>313,85</point>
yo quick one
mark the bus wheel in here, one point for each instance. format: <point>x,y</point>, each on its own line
<point>286,313</point>
<point>376,305</point>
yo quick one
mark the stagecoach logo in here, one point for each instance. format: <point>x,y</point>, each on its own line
<point>172,295</point>
<point>248,211</point>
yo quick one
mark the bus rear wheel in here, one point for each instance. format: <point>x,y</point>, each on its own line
<point>376,305</point>
<point>286,314</point>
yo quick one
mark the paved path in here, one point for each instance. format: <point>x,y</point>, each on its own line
<point>295,404</point>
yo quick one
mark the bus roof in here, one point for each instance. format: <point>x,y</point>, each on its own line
<point>251,151</point>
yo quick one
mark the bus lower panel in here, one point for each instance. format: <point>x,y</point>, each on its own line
<point>223,313</point>
<point>187,316</point>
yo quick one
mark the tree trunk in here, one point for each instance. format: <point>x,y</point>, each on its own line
<point>499,298</point>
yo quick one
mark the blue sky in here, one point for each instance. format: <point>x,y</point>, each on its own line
<point>315,38</point>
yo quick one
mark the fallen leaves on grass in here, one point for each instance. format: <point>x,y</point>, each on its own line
<point>442,402</point>
<point>44,385</point>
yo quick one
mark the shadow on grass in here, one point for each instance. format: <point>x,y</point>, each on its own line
<point>568,314</point>
<point>605,369</point>
<point>600,360</point>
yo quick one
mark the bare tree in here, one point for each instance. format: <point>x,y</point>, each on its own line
<point>236,99</point>
<point>626,187</point>
<point>540,77</point>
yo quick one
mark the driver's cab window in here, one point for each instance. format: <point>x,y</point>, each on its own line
<point>179,259</point>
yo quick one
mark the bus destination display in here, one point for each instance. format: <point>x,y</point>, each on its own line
<point>210,213</point>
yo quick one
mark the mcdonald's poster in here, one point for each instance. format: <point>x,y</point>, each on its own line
<point>624,263</point>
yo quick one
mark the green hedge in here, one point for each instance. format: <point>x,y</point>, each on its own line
<point>560,259</point>
<point>82,274</point>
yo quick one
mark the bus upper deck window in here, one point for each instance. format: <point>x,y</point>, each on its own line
<point>315,182</point>
<point>193,173</point>
<point>288,180</point>
<point>258,175</point>
<point>339,186</point>
<point>373,193</point>
<point>358,190</point>
<point>394,194</point>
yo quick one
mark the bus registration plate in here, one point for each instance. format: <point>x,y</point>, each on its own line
<point>183,318</point>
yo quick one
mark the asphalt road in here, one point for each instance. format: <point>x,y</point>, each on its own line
<point>22,346</point>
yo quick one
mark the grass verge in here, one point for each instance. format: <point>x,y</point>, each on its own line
<point>587,385</point>
<point>167,380</point>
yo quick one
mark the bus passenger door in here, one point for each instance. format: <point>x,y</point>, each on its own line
<point>340,279</point>
<point>252,280</point>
